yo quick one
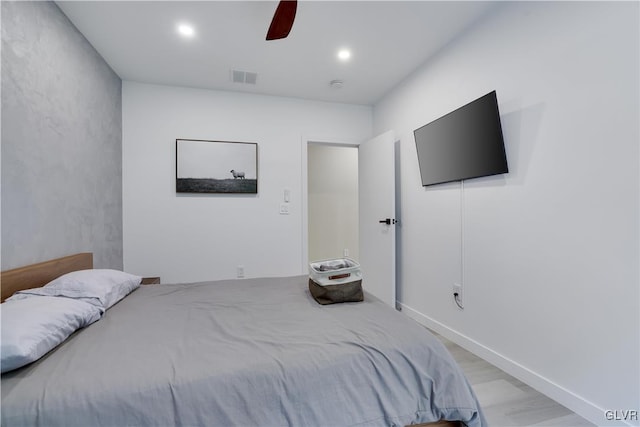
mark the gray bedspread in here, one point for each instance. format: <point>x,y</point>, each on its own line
<point>254,352</point>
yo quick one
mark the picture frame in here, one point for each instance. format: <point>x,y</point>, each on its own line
<point>209,166</point>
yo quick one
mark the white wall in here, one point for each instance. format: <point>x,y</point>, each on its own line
<point>551,282</point>
<point>333,201</point>
<point>204,237</point>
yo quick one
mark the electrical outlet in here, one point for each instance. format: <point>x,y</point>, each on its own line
<point>457,289</point>
<point>240,271</point>
<point>345,252</point>
<point>284,208</point>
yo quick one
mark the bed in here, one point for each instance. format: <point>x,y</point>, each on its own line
<point>251,352</point>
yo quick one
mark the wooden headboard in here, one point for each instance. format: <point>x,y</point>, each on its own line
<point>36,275</point>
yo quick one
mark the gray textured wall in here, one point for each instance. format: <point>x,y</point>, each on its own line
<point>61,141</point>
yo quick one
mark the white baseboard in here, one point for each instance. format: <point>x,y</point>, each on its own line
<point>577,404</point>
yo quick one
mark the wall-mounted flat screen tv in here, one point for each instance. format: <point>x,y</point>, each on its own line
<point>466,143</point>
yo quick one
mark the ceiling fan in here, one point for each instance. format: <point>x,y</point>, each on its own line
<point>282,20</point>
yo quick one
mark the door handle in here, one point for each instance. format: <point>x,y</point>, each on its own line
<point>387,221</point>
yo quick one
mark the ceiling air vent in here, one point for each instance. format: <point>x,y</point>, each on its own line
<point>245,77</point>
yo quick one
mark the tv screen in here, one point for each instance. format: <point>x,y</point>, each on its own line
<point>466,143</point>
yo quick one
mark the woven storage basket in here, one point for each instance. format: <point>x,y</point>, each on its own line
<point>335,280</point>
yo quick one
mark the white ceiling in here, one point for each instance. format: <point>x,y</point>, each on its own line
<point>388,40</point>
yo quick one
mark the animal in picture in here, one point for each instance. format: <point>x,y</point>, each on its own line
<point>237,175</point>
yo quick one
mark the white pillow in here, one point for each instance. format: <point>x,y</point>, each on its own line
<point>33,326</point>
<point>100,287</point>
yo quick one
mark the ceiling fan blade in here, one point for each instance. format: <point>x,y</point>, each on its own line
<point>282,20</point>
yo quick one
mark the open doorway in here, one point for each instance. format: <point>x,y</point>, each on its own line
<point>332,201</point>
<point>374,217</point>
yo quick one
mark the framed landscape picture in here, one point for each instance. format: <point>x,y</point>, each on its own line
<point>216,166</point>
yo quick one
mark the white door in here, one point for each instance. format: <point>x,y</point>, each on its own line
<point>376,182</point>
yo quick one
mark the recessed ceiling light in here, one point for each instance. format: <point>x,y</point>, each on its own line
<point>186,30</point>
<point>344,54</point>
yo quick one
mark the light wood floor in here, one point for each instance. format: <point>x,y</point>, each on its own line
<point>507,401</point>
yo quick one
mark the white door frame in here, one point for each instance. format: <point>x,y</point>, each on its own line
<point>304,199</point>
